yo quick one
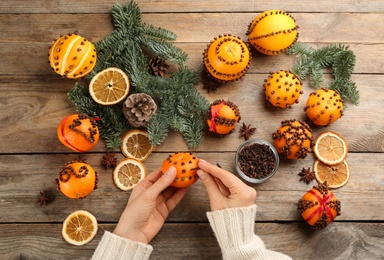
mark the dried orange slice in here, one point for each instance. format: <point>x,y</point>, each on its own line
<point>330,148</point>
<point>109,86</point>
<point>137,145</point>
<point>79,228</point>
<point>128,173</point>
<point>336,176</point>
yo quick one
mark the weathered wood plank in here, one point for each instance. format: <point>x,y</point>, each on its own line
<point>170,6</point>
<point>32,107</point>
<point>202,27</point>
<point>22,177</point>
<point>196,241</point>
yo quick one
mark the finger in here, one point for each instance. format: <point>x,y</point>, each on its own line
<point>209,183</point>
<point>223,189</point>
<point>145,184</point>
<point>163,182</point>
<point>228,179</point>
<point>175,199</point>
<point>154,175</point>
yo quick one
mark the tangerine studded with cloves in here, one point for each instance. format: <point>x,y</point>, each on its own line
<point>324,107</point>
<point>272,32</point>
<point>282,89</point>
<point>293,139</point>
<point>222,116</point>
<point>186,165</point>
<point>227,58</point>
<point>72,56</point>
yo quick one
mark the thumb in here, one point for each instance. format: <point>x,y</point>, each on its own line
<point>163,182</point>
<point>209,183</point>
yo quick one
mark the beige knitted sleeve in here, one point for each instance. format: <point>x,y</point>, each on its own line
<point>112,246</point>
<point>234,230</point>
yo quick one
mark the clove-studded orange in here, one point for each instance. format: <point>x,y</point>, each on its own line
<point>293,139</point>
<point>272,32</point>
<point>227,58</point>
<point>77,179</point>
<point>324,107</point>
<point>72,56</point>
<point>319,206</point>
<point>186,168</point>
<point>222,116</point>
<point>78,132</point>
<point>282,89</point>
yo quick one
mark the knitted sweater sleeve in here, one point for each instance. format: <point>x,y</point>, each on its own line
<point>234,230</point>
<point>114,247</point>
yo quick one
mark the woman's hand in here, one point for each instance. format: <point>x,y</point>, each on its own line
<point>148,206</point>
<point>225,190</point>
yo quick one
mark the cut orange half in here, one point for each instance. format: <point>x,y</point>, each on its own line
<point>109,86</point>
<point>330,148</point>
<point>137,145</point>
<point>79,228</point>
<point>128,173</point>
<point>336,176</point>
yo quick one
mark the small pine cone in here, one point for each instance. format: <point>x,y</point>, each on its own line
<point>158,67</point>
<point>138,109</point>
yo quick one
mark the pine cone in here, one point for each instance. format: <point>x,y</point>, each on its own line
<point>139,108</point>
<point>158,67</point>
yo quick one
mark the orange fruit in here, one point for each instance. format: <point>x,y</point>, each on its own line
<point>324,107</point>
<point>272,32</point>
<point>282,89</point>
<point>137,145</point>
<point>77,179</point>
<point>72,56</point>
<point>227,58</point>
<point>128,173</point>
<point>293,139</point>
<point>186,165</point>
<point>79,228</point>
<point>330,148</point>
<point>109,86</point>
<point>78,132</point>
<point>222,116</point>
<point>319,206</point>
<point>336,176</point>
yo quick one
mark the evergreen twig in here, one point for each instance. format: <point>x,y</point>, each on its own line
<point>337,56</point>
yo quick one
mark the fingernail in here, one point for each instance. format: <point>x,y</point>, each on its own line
<point>202,161</point>
<point>170,172</point>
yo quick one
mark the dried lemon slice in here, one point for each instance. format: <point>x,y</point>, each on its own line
<point>128,173</point>
<point>330,148</point>
<point>336,176</point>
<point>137,145</point>
<point>109,86</point>
<point>79,228</point>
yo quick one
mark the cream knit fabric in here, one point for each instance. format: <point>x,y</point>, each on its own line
<point>115,247</point>
<point>234,230</point>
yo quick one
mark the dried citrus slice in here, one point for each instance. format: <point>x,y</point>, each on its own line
<point>330,148</point>
<point>79,228</point>
<point>128,173</point>
<point>137,145</point>
<point>109,86</point>
<point>335,175</point>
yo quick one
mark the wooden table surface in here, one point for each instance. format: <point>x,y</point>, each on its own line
<point>33,100</point>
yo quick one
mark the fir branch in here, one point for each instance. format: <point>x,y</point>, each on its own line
<point>337,56</point>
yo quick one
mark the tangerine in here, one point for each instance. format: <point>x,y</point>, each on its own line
<point>77,179</point>
<point>78,132</point>
<point>324,107</point>
<point>227,58</point>
<point>293,139</point>
<point>186,168</point>
<point>222,116</point>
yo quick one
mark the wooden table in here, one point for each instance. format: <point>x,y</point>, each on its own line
<point>33,100</point>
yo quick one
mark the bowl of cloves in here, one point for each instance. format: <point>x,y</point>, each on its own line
<point>256,160</point>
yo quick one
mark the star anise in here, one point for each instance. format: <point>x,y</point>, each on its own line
<point>158,67</point>
<point>43,198</point>
<point>306,175</point>
<point>247,131</point>
<point>109,160</point>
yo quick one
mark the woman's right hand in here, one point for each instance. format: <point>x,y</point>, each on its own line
<point>225,190</point>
